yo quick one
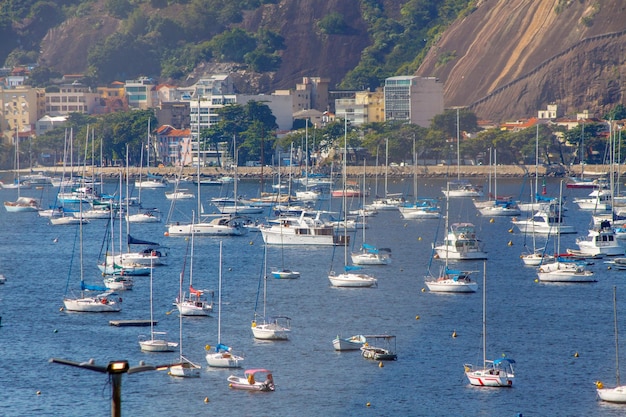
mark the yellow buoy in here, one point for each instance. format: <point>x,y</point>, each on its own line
<point>609,267</point>
<point>576,354</point>
<point>38,393</point>
<point>251,243</point>
<point>511,230</point>
<point>454,333</point>
<point>419,239</point>
<point>206,399</point>
<point>367,404</point>
<point>230,385</point>
<point>536,280</point>
<point>423,289</point>
<point>61,309</point>
<point>405,224</point>
<point>380,365</point>
<point>417,317</point>
<point>492,220</point>
<point>599,384</point>
<point>207,347</point>
<point>510,243</point>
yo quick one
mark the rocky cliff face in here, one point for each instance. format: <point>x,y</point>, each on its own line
<point>510,58</point>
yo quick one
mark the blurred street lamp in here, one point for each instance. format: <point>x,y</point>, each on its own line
<point>115,370</point>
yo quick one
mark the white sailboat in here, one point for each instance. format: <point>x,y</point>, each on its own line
<point>154,343</point>
<point>389,201</point>
<point>369,254</point>
<point>563,270</point>
<point>461,188</point>
<point>21,204</point>
<point>152,181</point>
<point>264,327</point>
<point>492,373</point>
<point>184,368</point>
<point>349,277</point>
<point>223,225</point>
<point>618,393</point>
<point>420,208</point>
<point>196,302</point>
<point>103,302</point>
<point>223,356</point>
<point>449,280</point>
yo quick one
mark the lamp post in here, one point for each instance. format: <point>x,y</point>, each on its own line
<point>115,369</point>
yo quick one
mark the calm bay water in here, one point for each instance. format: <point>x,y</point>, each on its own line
<point>541,326</point>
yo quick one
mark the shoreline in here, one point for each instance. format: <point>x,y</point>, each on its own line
<point>424,171</point>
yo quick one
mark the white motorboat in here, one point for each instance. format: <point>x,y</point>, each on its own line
<point>544,223</point>
<point>251,381</point>
<point>349,343</point>
<point>600,241</point>
<point>461,244</point>
<point>219,226</point>
<point>423,208</point>
<point>301,230</point>
<point>598,201</point>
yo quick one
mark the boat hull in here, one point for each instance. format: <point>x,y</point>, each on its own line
<point>270,331</point>
<point>223,360</point>
<point>614,395</point>
<point>92,305</point>
<point>489,378</point>
<point>350,343</point>
<point>352,280</point>
<point>157,345</point>
<point>451,285</point>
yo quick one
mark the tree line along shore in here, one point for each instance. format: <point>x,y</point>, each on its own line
<point>424,171</point>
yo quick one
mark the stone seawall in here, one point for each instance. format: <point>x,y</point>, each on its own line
<point>429,171</point>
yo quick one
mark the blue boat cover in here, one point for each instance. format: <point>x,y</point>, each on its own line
<point>134,241</point>
<point>352,268</point>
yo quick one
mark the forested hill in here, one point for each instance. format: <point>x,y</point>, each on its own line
<point>504,58</point>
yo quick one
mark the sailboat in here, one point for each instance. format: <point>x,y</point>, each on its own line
<point>104,302</point>
<point>617,394</point>
<point>223,225</point>
<point>369,254</point>
<point>461,188</point>
<point>450,280</point>
<point>275,328</point>
<point>420,208</point>
<point>21,204</point>
<point>390,201</point>
<point>152,181</point>
<point>308,195</point>
<point>184,368</point>
<point>493,373</point>
<point>154,343</point>
<point>196,302</point>
<point>349,277</point>
<point>222,357</point>
<point>561,270</point>
<point>498,206</point>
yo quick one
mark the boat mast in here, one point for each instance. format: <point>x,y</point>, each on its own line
<point>458,147</point>
<point>414,172</point>
<point>386,163</point>
<point>484,314</point>
<point>198,162</point>
<point>219,299</point>
<point>616,335</point>
<point>345,200</point>
<point>534,196</point>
